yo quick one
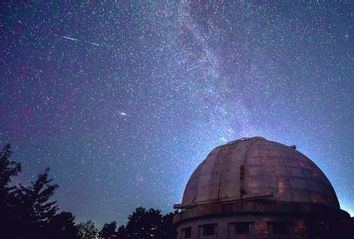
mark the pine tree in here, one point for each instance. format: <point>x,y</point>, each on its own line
<point>62,226</point>
<point>35,209</point>
<point>8,169</point>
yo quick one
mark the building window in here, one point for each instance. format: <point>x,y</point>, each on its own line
<point>280,227</point>
<point>242,227</point>
<point>187,232</point>
<point>209,229</point>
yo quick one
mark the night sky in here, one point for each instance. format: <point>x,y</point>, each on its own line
<point>122,100</point>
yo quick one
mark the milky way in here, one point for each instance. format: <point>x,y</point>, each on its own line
<point>122,99</point>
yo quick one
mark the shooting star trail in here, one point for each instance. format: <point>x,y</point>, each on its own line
<point>94,44</point>
<point>78,40</point>
<point>70,38</point>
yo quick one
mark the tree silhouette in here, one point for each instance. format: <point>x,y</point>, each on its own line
<point>62,226</point>
<point>121,232</point>
<point>28,212</point>
<point>34,210</point>
<point>167,229</point>
<point>143,224</point>
<point>8,169</point>
<point>108,231</point>
<point>87,230</point>
<point>147,224</point>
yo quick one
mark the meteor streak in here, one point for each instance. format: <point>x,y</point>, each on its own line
<point>78,40</point>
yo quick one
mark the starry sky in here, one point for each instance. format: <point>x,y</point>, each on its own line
<point>123,99</point>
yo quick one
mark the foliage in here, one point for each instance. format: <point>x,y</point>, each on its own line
<point>29,212</point>
<point>62,226</point>
<point>8,168</point>
<point>87,230</point>
<point>34,199</point>
<point>121,232</point>
<point>143,224</point>
<point>108,231</point>
<point>166,228</point>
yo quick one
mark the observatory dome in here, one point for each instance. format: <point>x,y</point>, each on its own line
<point>252,168</point>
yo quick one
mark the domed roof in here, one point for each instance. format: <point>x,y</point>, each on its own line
<point>256,168</point>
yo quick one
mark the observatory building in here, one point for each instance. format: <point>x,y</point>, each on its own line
<point>256,188</point>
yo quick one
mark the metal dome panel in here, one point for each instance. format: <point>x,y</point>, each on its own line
<point>270,168</point>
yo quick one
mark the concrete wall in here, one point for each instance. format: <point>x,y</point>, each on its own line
<point>259,227</point>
